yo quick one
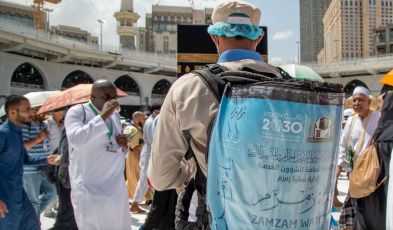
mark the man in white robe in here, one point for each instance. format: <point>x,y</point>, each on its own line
<point>362,109</point>
<point>143,186</point>
<point>363,125</point>
<point>97,153</point>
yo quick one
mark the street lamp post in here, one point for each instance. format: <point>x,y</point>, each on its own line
<point>298,52</point>
<point>101,22</point>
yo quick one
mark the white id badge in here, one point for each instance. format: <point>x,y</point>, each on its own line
<point>111,148</point>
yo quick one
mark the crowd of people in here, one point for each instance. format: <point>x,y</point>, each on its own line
<point>91,165</point>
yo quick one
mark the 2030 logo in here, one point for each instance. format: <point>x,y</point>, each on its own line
<point>277,125</point>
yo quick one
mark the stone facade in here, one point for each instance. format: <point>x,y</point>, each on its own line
<point>161,26</point>
<point>54,74</point>
<point>349,26</point>
<point>311,28</point>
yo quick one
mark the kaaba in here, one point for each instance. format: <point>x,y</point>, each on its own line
<point>195,48</point>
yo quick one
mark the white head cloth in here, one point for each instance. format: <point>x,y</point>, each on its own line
<point>362,90</point>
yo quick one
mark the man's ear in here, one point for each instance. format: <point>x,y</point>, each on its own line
<point>259,39</point>
<point>12,112</point>
<point>215,40</point>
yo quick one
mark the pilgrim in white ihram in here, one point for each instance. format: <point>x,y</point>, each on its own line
<point>98,190</point>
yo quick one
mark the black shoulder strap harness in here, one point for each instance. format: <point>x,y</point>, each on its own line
<point>216,77</point>
<point>210,76</point>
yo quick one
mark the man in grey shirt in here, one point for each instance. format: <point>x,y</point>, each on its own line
<point>55,127</point>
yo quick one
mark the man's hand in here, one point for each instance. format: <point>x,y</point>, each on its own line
<point>43,134</point>
<point>30,143</point>
<point>339,168</point>
<point>122,141</point>
<point>53,160</point>
<point>3,209</point>
<point>108,108</point>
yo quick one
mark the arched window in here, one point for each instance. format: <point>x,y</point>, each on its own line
<point>27,20</point>
<point>348,89</point>
<point>27,76</point>
<point>128,22</point>
<point>17,18</point>
<point>161,88</point>
<point>128,85</point>
<point>386,88</point>
<point>8,16</point>
<point>75,38</point>
<point>75,78</point>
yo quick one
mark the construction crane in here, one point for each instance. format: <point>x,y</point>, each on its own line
<point>39,14</point>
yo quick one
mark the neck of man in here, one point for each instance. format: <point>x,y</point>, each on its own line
<point>137,125</point>
<point>57,120</point>
<point>235,44</point>
<point>15,122</point>
<point>365,114</point>
<point>37,121</point>
<point>93,103</point>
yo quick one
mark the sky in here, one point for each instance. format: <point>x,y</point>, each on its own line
<point>280,16</point>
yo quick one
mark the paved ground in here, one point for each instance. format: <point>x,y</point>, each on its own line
<point>138,219</point>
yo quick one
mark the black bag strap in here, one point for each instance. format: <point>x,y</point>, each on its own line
<point>216,77</point>
<point>200,184</point>
<point>210,76</point>
<point>84,113</point>
<point>200,178</point>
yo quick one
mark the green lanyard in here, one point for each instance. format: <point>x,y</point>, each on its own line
<point>96,113</point>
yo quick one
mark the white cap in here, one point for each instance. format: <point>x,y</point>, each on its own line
<point>348,112</point>
<point>361,90</point>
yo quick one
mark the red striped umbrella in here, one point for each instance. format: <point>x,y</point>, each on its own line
<point>72,96</point>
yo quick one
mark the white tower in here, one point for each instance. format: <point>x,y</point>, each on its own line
<point>126,24</point>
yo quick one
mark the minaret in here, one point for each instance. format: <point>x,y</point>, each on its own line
<point>126,24</point>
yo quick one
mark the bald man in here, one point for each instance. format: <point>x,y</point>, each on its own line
<point>97,153</point>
